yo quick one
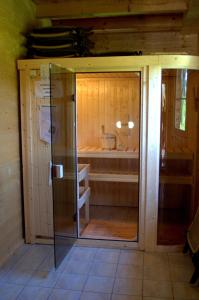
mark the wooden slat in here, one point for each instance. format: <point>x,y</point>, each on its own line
<point>82,200</point>
<point>133,23</point>
<point>148,43</point>
<point>89,8</point>
<point>107,154</point>
<point>113,177</point>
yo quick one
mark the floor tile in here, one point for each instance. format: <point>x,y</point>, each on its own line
<point>125,297</point>
<point>131,257</point>
<point>59,294</point>
<point>157,272</point>
<point>95,296</point>
<point>44,279</point>
<point>10,291</point>
<point>17,276</point>
<point>103,269</point>
<point>13,259</point>
<point>38,293</point>
<point>154,258</point>
<point>77,267</point>
<point>107,255</point>
<point>48,263</point>
<point>184,291</point>
<point>99,284</point>
<point>82,253</point>
<point>71,281</point>
<point>128,286</point>
<point>180,259</point>
<point>156,289</point>
<point>129,271</point>
<point>181,273</point>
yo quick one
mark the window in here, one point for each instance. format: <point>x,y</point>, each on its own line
<point>181,99</point>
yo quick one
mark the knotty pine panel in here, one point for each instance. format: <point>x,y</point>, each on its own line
<point>103,102</point>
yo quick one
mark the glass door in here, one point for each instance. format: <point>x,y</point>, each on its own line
<point>64,162</point>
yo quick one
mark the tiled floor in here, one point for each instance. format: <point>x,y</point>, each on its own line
<point>96,274</point>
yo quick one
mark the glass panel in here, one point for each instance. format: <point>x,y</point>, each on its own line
<point>178,156</point>
<point>108,128</point>
<point>62,84</point>
<point>181,97</point>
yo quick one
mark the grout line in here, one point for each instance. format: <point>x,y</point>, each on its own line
<point>115,273</point>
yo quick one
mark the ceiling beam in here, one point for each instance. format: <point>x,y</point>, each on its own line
<point>133,23</point>
<point>102,8</point>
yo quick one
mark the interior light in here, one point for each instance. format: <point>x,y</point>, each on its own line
<point>130,124</point>
<point>119,124</point>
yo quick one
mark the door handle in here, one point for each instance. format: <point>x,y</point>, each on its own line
<point>58,171</point>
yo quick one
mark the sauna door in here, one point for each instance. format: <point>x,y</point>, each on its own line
<point>64,162</point>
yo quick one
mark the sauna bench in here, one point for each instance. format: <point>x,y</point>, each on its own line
<point>134,178</point>
<point>99,153</point>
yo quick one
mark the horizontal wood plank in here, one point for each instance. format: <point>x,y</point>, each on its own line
<point>148,43</point>
<point>133,23</point>
<point>89,8</point>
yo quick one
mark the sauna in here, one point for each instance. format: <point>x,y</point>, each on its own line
<point>108,124</point>
<point>110,150</point>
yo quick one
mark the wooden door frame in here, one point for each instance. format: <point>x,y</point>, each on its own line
<point>150,67</point>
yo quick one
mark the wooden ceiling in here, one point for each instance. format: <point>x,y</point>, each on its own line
<point>172,24</point>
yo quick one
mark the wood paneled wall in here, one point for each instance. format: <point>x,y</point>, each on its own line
<point>104,99</point>
<point>16,16</point>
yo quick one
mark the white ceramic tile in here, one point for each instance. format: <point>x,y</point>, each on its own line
<point>59,294</point>
<point>82,254</point>
<point>31,260</point>
<point>128,286</point>
<point>131,257</point>
<point>99,284</point>
<point>180,259</point>
<point>31,293</point>
<point>129,271</point>
<point>125,297</point>
<point>71,281</point>
<point>157,272</point>
<point>44,279</point>
<point>48,263</point>
<point>184,291</point>
<point>16,276</point>
<point>154,258</point>
<point>103,269</point>
<point>157,289</point>
<point>107,255</point>
<point>13,259</point>
<point>77,267</point>
<point>180,273</point>
<point>95,296</point>
<point>9,291</point>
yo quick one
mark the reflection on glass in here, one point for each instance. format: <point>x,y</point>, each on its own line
<point>178,154</point>
<point>181,97</point>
